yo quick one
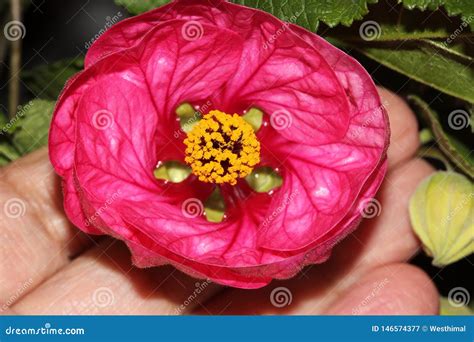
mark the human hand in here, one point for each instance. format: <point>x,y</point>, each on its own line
<point>50,267</point>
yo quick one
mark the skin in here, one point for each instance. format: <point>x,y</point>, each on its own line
<point>47,266</point>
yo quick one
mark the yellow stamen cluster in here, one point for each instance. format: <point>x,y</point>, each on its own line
<point>222,148</point>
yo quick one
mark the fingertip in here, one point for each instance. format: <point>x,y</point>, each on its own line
<point>404,139</point>
<point>397,289</point>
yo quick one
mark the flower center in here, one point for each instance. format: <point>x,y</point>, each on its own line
<point>222,148</point>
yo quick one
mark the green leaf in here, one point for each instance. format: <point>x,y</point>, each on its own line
<point>140,6</point>
<point>7,153</point>
<point>47,81</point>
<point>378,26</point>
<point>422,4</point>
<point>471,112</point>
<point>434,153</point>
<point>31,129</point>
<point>7,128</point>
<point>308,13</point>
<point>428,64</point>
<point>464,8</point>
<point>3,120</point>
<point>399,32</point>
<point>449,143</point>
<point>412,25</point>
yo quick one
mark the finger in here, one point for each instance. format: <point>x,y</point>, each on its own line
<point>384,239</point>
<point>404,139</point>
<point>103,281</point>
<point>390,289</point>
<point>387,237</point>
<point>398,289</point>
<point>35,237</point>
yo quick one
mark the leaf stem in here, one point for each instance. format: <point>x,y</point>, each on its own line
<point>15,63</point>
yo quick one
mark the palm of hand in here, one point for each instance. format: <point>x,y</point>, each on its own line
<point>50,267</point>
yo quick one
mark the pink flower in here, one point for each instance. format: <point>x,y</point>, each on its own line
<point>325,131</point>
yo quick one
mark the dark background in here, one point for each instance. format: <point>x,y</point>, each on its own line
<point>58,29</point>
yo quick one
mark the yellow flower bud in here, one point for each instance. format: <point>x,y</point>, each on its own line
<point>441,212</point>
